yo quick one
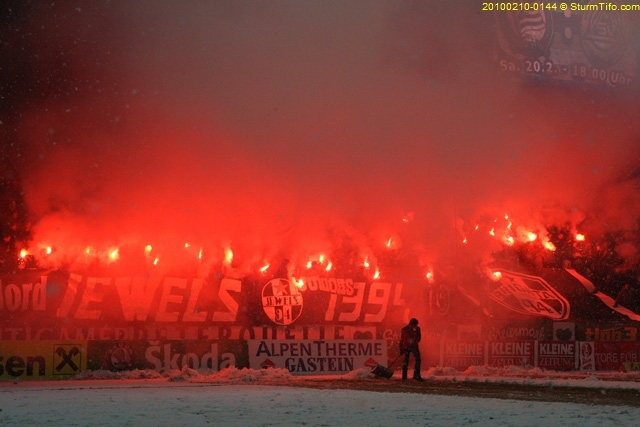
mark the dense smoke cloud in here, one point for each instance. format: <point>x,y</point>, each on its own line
<point>286,129</point>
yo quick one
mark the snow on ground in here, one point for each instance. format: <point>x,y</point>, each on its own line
<point>247,397</point>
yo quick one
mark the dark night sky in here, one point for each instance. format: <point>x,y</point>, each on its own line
<point>287,126</point>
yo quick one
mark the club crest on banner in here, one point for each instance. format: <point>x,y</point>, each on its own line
<point>282,301</point>
<point>530,295</point>
<point>441,300</point>
<point>527,32</point>
<point>605,36</point>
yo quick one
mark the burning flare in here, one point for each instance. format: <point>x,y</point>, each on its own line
<point>228,255</point>
<point>429,276</point>
<point>114,254</point>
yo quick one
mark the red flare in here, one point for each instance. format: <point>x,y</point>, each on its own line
<point>429,276</point>
<point>228,255</point>
<point>114,254</point>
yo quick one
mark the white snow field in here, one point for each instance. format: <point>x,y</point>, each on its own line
<point>262,398</point>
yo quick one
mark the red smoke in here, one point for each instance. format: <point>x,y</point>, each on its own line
<point>290,130</point>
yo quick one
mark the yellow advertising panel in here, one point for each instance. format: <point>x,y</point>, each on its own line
<point>42,359</point>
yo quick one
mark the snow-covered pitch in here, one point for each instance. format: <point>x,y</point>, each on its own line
<point>247,397</point>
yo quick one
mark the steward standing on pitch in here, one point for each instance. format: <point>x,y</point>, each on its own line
<point>409,339</point>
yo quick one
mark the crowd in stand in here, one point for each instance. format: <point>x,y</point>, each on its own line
<point>600,261</point>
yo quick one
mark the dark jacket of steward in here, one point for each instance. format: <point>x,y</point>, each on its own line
<point>410,337</point>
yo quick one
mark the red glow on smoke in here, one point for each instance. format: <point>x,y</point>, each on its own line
<point>370,156</point>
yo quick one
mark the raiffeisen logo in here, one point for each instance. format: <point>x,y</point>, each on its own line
<point>530,295</point>
<point>281,301</point>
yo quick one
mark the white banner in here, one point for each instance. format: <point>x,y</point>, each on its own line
<point>317,357</point>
